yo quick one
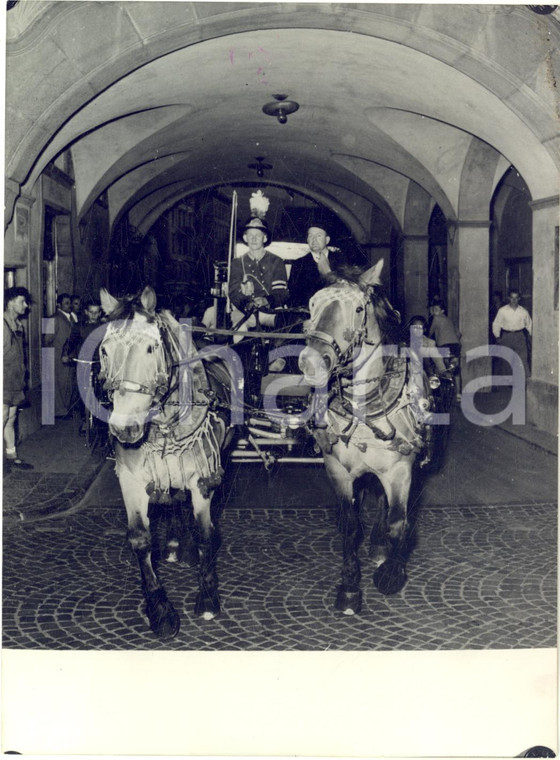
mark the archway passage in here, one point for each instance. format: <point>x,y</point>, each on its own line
<point>177,252</point>
<point>115,112</point>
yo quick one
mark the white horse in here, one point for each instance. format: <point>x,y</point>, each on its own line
<point>373,424</point>
<point>170,431</point>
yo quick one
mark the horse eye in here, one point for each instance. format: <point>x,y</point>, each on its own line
<point>359,309</point>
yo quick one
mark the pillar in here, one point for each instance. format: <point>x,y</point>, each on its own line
<point>468,307</point>
<point>542,387</point>
<point>415,258</point>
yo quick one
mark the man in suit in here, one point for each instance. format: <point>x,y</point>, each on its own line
<point>65,340</point>
<point>308,273</point>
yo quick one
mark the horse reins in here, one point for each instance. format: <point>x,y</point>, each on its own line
<point>341,369</point>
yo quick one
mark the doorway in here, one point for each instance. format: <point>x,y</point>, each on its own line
<point>519,276</point>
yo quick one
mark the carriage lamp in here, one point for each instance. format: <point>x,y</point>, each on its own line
<point>434,382</point>
<point>424,404</point>
<point>281,108</point>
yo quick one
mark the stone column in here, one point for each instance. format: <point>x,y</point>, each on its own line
<point>415,257</point>
<point>542,387</point>
<point>467,276</point>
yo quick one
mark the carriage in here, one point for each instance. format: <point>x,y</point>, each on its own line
<point>357,405</point>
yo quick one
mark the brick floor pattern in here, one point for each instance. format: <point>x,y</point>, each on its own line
<point>479,578</point>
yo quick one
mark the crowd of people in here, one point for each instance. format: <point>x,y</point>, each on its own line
<point>258,285</point>
<point>71,325</point>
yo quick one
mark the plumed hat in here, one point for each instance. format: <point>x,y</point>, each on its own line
<point>255,223</point>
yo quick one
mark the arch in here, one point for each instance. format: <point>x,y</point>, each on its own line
<point>168,196</point>
<point>511,244</point>
<point>146,34</point>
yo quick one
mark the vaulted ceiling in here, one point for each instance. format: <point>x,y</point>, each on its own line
<point>159,100</point>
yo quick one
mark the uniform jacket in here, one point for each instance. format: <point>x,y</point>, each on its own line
<point>267,275</point>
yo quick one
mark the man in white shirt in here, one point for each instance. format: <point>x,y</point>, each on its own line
<point>512,327</point>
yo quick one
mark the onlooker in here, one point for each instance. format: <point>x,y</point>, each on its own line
<point>308,273</point>
<point>258,278</point>
<point>446,336</point>
<point>513,326</point>
<point>16,302</point>
<point>417,325</point>
<point>76,313</point>
<point>91,319</point>
<point>65,340</point>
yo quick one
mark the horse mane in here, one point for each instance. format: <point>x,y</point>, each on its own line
<point>128,306</point>
<point>388,318</point>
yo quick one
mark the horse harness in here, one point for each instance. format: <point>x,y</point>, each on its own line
<point>190,426</point>
<point>391,412</point>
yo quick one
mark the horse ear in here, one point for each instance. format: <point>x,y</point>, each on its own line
<point>372,276</point>
<point>108,302</point>
<point>148,299</point>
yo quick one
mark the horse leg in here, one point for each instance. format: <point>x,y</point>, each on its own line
<point>349,595</point>
<point>378,549</point>
<point>390,576</point>
<point>179,543</point>
<point>164,620</point>
<point>207,602</point>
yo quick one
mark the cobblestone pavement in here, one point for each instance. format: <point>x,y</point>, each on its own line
<point>482,573</point>
<point>478,578</point>
<point>64,468</point>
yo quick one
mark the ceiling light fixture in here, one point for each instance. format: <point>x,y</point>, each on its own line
<point>281,108</point>
<point>259,166</point>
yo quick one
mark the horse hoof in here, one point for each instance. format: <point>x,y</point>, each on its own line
<point>164,619</point>
<point>390,577</point>
<point>207,606</point>
<point>348,602</point>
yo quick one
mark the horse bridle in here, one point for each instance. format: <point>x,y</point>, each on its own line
<point>359,334</point>
<point>126,336</point>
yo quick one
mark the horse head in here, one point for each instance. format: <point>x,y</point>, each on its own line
<point>343,316</point>
<point>133,362</point>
